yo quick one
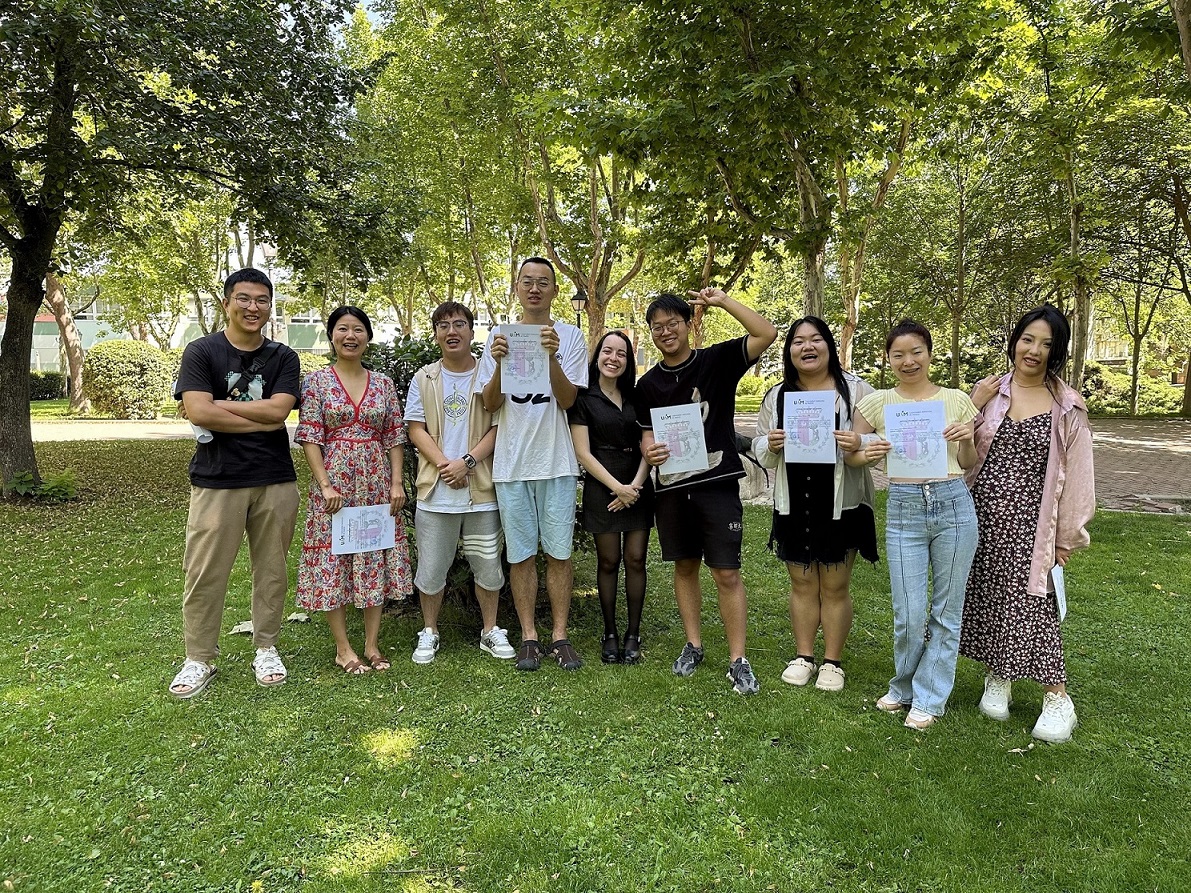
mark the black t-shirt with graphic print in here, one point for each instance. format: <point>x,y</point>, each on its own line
<point>708,377</point>
<point>231,461</point>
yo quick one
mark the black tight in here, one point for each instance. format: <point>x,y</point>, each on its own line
<point>608,556</point>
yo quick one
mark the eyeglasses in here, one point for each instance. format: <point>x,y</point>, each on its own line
<point>446,325</point>
<point>542,283</point>
<point>671,326</point>
<point>249,301</point>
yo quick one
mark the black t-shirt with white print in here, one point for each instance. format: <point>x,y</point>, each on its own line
<point>708,377</point>
<point>230,461</point>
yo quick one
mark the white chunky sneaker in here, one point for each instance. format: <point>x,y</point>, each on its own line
<point>1057,720</point>
<point>798,671</point>
<point>427,646</point>
<point>496,642</point>
<point>998,695</point>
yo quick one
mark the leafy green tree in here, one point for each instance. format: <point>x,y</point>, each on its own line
<point>104,95</point>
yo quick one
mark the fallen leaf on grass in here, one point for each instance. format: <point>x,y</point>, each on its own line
<point>244,627</point>
<point>299,617</point>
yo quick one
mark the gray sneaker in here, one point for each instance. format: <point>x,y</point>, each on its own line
<point>740,673</point>
<point>690,658</point>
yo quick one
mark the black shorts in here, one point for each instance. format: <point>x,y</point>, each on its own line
<point>704,521</point>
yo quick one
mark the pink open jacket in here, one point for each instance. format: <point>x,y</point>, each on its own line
<point>1069,492</point>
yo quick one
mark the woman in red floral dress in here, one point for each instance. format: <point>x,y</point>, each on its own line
<point>353,436</point>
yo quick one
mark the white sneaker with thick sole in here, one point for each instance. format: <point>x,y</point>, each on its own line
<point>427,646</point>
<point>496,642</point>
<point>830,678</point>
<point>998,695</point>
<point>798,671</point>
<point>1057,720</point>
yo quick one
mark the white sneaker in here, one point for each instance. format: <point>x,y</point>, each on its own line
<point>998,695</point>
<point>496,642</point>
<point>798,671</point>
<point>1057,720</point>
<point>427,646</point>
<point>831,678</point>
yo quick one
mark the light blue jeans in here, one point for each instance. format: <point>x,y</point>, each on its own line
<point>928,526</point>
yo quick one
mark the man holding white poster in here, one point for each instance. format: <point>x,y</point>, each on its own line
<point>699,515</point>
<point>534,467</point>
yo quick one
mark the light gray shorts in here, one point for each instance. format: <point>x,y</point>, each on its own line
<point>438,535</point>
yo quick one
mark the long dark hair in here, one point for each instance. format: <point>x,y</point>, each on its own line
<point>1060,335</point>
<point>790,379</point>
<point>627,380</point>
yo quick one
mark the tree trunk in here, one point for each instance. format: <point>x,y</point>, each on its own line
<point>1187,387</point>
<point>25,294</point>
<point>1135,379</point>
<point>814,256</point>
<point>1182,18</point>
<point>1081,322</point>
<point>72,343</point>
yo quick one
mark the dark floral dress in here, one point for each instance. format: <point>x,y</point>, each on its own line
<point>1014,633</point>
<point>355,441</point>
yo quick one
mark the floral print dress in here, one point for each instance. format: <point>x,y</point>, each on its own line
<point>355,441</point>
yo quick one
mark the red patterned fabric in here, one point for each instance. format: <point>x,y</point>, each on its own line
<point>355,441</point>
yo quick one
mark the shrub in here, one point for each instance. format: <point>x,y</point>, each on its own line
<point>173,362</point>
<point>126,379</point>
<point>751,386</point>
<point>312,361</point>
<point>1106,392</point>
<point>46,385</point>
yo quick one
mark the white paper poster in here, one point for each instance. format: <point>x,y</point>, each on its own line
<point>526,367</point>
<point>681,429</point>
<point>809,423</point>
<point>916,432</point>
<point>368,528</point>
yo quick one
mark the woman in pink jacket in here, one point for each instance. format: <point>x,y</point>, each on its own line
<point>1034,495</point>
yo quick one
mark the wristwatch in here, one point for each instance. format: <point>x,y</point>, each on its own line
<point>470,461</point>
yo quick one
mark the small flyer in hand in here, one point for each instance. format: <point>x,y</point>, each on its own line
<point>916,432</point>
<point>681,429</point>
<point>809,423</point>
<point>368,528</point>
<point>526,367</point>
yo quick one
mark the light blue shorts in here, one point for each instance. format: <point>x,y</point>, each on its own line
<point>533,511</point>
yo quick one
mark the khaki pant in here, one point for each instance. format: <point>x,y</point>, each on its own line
<point>215,529</point>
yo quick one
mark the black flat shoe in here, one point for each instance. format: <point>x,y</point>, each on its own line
<point>632,649</point>
<point>610,651</point>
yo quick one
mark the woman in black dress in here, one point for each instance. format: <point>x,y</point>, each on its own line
<point>617,494</point>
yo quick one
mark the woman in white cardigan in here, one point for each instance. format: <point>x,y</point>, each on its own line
<point>822,513</point>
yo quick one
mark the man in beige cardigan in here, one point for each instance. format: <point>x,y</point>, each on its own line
<point>456,498</point>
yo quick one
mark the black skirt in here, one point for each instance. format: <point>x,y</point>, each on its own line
<point>809,534</point>
<point>622,465</point>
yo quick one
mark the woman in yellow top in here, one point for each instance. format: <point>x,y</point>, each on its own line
<point>930,524</point>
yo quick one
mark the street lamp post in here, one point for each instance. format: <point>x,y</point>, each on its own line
<point>579,302</point>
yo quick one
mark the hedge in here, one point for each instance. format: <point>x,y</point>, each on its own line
<point>126,379</point>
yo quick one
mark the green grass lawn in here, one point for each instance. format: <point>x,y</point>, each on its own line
<point>466,775</point>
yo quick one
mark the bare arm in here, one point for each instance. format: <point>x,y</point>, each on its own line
<point>491,395</point>
<point>202,410</point>
<point>314,458</point>
<point>275,409</point>
<point>397,486</point>
<point>761,331</point>
<point>563,389</point>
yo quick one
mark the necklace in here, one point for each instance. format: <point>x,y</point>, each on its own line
<point>1020,385</point>
<point>676,369</point>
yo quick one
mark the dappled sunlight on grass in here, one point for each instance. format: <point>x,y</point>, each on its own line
<point>366,852</point>
<point>391,747</point>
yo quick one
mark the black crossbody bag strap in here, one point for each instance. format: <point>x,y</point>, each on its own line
<point>245,379</point>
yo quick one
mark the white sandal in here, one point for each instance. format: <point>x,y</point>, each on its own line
<point>268,663</point>
<point>194,676</point>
